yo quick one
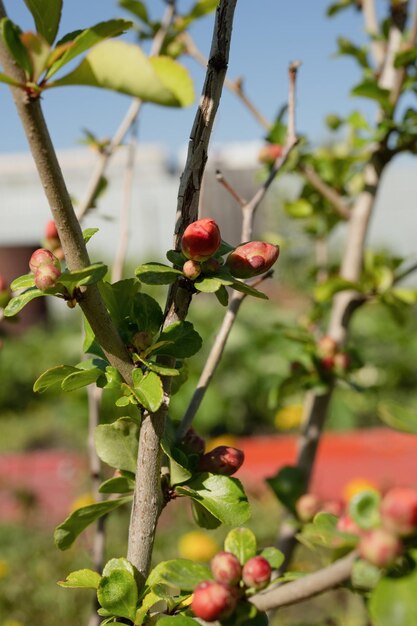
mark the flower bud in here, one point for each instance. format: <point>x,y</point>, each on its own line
<point>307,506</point>
<point>269,153</point>
<point>345,524</point>
<point>326,346</point>
<point>252,258</point>
<point>213,600</point>
<point>51,231</point>
<point>42,256</point>
<point>223,460</point>
<point>399,510</point>
<point>193,443</point>
<point>201,240</point>
<point>191,269</point>
<point>256,573</point>
<point>379,547</point>
<point>226,568</point>
<point>46,276</point>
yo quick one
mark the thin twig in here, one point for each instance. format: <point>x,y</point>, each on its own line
<point>248,213</point>
<point>405,273</point>
<point>235,86</point>
<point>128,120</point>
<point>222,180</point>
<point>372,28</point>
<point>148,497</point>
<point>329,193</point>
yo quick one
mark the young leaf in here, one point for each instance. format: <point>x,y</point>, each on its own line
<point>81,378</point>
<point>88,233</point>
<point>87,276</point>
<point>47,15</point>
<point>148,390</point>
<point>248,290</point>
<point>9,80</point>
<point>370,89</point>
<point>85,39</point>
<point>207,285</point>
<point>118,593</point>
<point>123,67</point>
<point>23,282</point>
<point>180,573</point>
<point>178,471</point>
<point>177,620</point>
<point>274,557</point>
<point>10,34</point>
<point>222,496</point>
<point>365,575</point>
<point>157,274</point>
<point>203,517</point>
<point>242,543</point>
<point>117,444</point>
<point>17,303</point>
<point>120,563</point>
<point>364,509</point>
<point>137,8</point>
<point>147,313</point>
<point>53,376</point>
<point>222,296</point>
<point>325,290</point>
<point>38,50</point>
<point>183,340</point>
<point>81,579</point>
<point>393,601</point>
<point>66,533</point>
<point>119,484</point>
<point>119,298</point>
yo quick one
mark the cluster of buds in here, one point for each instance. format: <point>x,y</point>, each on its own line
<point>52,241</point>
<point>46,268</point>
<point>200,244</point>
<point>386,540</point>
<point>224,460</point>
<point>218,598</point>
<point>331,359</point>
<point>269,153</point>
<point>5,293</point>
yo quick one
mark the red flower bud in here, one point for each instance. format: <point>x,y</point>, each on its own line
<point>256,573</point>
<point>307,506</point>
<point>42,256</point>
<point>399,510</point>
<point>222,460</point>
<point>213,600</point>
<point>226,568</point>
<point>46,276</point>
<point>51,231</point>
<point>269,153</point>
<point>191,269</point>
<point>379,547</point>
<point>251,259</point>
<point>201,239</point>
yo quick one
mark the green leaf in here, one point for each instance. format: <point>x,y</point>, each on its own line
<point>364,509</point>
<point>119,298</point>
<point>118,593</point>
<point>338,6</point>
<point>87,276</point>
<point>203,7</point>
<point>147,313</point>
<point>346,47</point>
<point>157,274</point>
<point>148,389</point>
<point>119,484</point>
<point>370,89</point>
<point>117,444</point>
<point>88,233</point>
<point>248,290</point>
<point>242,543</point>
<point>222,496</point>
<point>85,39</point>
<point>184,340</point>
<point>81,378</point>
<point>203,517</point>
<point>120,563</point>
<point>123,67</point>
<point>406,57</point>
<point>222,296</point>
<point>178,471</point>
<point>10,34</point>
<point>274,557</point>
<point>323,532</point>
<point>52,377</point>
<point>47,15</point>
<point>299,209</point>
<point>399,417</point>
<point>327,289</point>
<point>364,575</point>
<point>17,303</point>
<point>177,620</point>
<point>180,573</point>
<point>39,50</point>
<point>82,579</point>
<point>9,80</point>
<point>66,533</point>
<point>23,282</point>
<point>288,485</point>
<point>137,8</point>
<point>207,285</point>
<point>161,370</point>
<point>393,601</point>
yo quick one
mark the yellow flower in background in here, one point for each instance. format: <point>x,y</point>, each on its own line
<point>85,499</point>
<point>357,485</point>
<point>289,417</point>
<point>221,440</point>
<point>197,546</point>
<point>4,568</point>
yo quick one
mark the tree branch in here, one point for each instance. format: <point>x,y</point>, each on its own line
<point>372,28</point>
<point>328,192</point>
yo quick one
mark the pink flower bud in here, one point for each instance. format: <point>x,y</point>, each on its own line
<point>251,259</point>
<point>256,573</point>
<point>42,256</point>
<point>46,276</point>
<point>213,600</point>
<point>345,524</point>
<point>379,547</point>
<point>51,231</point>
<point>269,153</point>
<point>307,506</point>
<point>193,443</point>
<point>191,269</point>
<point>399,510</point>
<point>326,346</point>
<point>201,239</point>
<point>226,568</point>
<point>222,460</point>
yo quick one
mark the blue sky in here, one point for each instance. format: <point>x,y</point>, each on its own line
<point>267,35</point>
